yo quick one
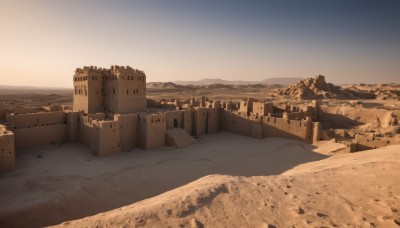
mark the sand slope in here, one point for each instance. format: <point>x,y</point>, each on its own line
<point>361,189</point>
<point>55,184</point>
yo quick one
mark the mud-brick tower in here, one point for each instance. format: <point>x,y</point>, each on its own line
<point>88,92</point>
<point>126,90</point>
<point>117,90</point>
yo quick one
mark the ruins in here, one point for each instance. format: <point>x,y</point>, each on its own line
<point>111,114</point>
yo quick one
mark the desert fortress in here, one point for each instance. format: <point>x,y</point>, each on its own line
<point>111,114</point>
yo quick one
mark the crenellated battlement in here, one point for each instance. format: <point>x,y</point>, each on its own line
<point>114,69</point>
<point>125,69</point>
<point>105,124</point>
<point>90,69</point>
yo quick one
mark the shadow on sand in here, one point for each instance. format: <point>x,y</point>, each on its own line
<point>82,185</point>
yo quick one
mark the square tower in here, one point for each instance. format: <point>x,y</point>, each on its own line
<point>118,90</point>
<point>88,96</point>
<point>126,90</point>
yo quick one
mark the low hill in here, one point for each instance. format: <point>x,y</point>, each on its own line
<point>163,85</point>
<point>348,190</point>
<point>268,81</point>
<point>9,89</point>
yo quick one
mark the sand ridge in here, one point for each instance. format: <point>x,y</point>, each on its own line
<point>316,194</point>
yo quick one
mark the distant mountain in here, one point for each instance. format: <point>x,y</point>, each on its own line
<point>163,85</point>
<point>281,81</point>
<point>268,81</point>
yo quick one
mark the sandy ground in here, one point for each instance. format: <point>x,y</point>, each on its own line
<point>55,184</point>
<point>348,190</point>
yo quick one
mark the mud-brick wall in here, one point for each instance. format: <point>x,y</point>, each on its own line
<point>262,109</point>
<point>173,117</point>
<point>7,152</point>
<point>85,134</point>
<point>245,107</point>
<point>240,124</point>
<point>72,127</point>
<point>40,136</point>
<point>213,116</point>
<point>370,142</point>
<point>128,130</point>
<point>188,121</point>
<point>20,121</point>
<point>106,138</point>
<point>200,121</point>
<point>279,127</point>
<point>152,129</point>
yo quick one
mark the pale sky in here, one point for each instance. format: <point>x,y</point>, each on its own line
<point>43,41</point>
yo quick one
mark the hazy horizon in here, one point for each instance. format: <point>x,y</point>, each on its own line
<point>43,41</point>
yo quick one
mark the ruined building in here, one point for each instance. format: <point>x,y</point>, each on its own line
<point>110,116</point>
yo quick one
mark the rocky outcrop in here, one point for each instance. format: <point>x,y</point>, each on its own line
<point>318,88</point>
<point>387,94</point>
<point>312,88</point>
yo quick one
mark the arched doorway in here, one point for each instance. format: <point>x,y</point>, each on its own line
<point>175,123</point>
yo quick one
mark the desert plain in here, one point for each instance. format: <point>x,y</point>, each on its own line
<point>223,179</point>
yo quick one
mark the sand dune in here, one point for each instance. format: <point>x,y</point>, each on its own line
<point>361,189</point>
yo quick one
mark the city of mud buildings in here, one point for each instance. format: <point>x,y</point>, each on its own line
<point>111,114</point>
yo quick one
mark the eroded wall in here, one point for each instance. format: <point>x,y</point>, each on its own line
<point>369,142</point>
